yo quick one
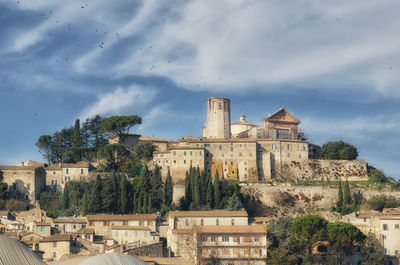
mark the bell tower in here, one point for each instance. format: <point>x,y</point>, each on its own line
<point>218,124</point>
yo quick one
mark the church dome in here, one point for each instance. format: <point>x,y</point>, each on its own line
<point>241,125</point>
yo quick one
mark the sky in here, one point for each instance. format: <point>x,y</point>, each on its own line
<point>333,64</point>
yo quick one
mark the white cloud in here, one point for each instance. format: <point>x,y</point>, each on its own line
<point>133,98</point>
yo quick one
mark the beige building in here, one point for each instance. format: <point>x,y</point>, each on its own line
<point>39,228</point>
<point>139,235</point>
<point>245,244</point>
<point>57,175</point>
<point>246,152</point>
<point>102,223</point>
<point>25,183</point>
<point>182,223</point>
<point>69,224</point>
<point>385,225</point>
<point>54,247</point>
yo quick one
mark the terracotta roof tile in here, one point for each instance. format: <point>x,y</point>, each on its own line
<point>173,214</point>
<point>229,229</point>
<point>56,238</point>
<point>120,217</point>
<point>128,227</point>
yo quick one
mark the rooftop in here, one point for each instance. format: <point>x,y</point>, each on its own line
<point>55,238</point>
<point>220,213</point>
<point>128,227</point>
<point>69,220</point>
<point>229,229</point>
<point>120,217</point>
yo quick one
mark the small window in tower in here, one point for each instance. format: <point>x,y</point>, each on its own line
<point>220,106</point>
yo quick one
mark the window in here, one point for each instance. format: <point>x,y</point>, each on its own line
<point>225,239</point>
<point>256,239</point>
<point>288,155</point>
<point>288,147</point>
<point>191,153</point>
<point>250,154</point>
<point>220,147</point>
<point>385,227</point>
<point>53,182</point>
<point>186,222</point>
<point>184,161</point>
<point>184,153</point>
<point>67,178</point>
<point>42,229</point>
<point>54,255</point>
<point>231,148</point>
<point>54,244</point>
<point>200,153</point>
<point>174,153</point>
<point>81,170</point>
<point>212,239</point>
<point>204,239</point>
<point>174,161</point>
<point>273,146</point>
<point>67,171</point>
<point>74,226</point>
<point>226,163</point>
<point>54,172</point>
<point>217,221</point>
<point>233,221</point>
<point>104,223</point>
<point>201,222</point>
<point>396,226</point>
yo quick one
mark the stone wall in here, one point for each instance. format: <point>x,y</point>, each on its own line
<point>318,169</point>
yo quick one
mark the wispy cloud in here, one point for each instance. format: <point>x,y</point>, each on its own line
<point>115,102</point>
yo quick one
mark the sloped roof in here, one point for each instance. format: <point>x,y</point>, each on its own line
<point>208,214</point>
<point>128,227</point>
<point>229,229</point>
<point>113,259</point>
<point>275,116</point>
<point>120,217</point>
<point>56,238</point>
<point>14,252</point>
<point>69,220</point>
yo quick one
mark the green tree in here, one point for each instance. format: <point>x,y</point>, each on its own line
<point>144,151</point>
<point>210,191</point>
<point>44,144</point>
<point>374,251</point>
<point>124,196</point>
<point>197,187</point>
<point>149,203</point>
<point>77,142</point>
<point>65,198</point>
<point>120,124</point>
<point>311,228</point>
<point>168,189</point>
<point>95,205</point>
<point>156,187</point>
<point>114,156</point>
<point>234,203</point>
<point>340,201</point>
<point>338,150</point>
<point>347,195</point>
<point>217,191</point>
<point>345,236</point>
<point>279,256</point>
<point>3,187</point>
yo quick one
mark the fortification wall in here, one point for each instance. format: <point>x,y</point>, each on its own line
<point>323,170</point>
<point>310,196</point>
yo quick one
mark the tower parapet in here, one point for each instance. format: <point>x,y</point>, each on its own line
<point>218,124</point>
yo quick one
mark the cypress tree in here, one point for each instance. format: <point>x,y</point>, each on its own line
<point>144,205</point>
<point>168,189</point>
<point>149,204</point>
<point>134,208</point>
<point>197,190</point>
<point>77,142</point>
<point>340,195</point>
<point>188,190</point>
<point>144,180</point>
<point>108,194</point>
<point>217,191</point>
<point>95,205</point>
<point>347,196</point>
<point>139,203</point>
<point>156,187</point>
<point>210,192</point>
<point>123,193</point>
<point>204,184</point>
<point>65,199</point>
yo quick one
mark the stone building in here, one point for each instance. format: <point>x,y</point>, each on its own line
<point>68,224</point>
<point>182,224</point>
<point>102,223</point>
<point>54,247</point>
<point>246,244</point>
<point>25,183</point>
<point>246,152</point>
<point>140,235</point>
<point>57,175</point>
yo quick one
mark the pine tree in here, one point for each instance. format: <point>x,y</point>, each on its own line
<point>347,195</point>
<point>340,195</point>
<point>234,203</point>
<point>168,189</point>
<point>95,205</point>
<point>123,194</point>
<point>210,192</point>
<point>217,191</point>
<point>149,204</point>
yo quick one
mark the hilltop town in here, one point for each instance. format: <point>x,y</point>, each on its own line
<point>223,198</point>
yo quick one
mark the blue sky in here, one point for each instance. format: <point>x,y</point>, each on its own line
<point>333,64</point>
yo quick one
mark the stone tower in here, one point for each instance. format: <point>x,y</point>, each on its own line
<point>218,124</point>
